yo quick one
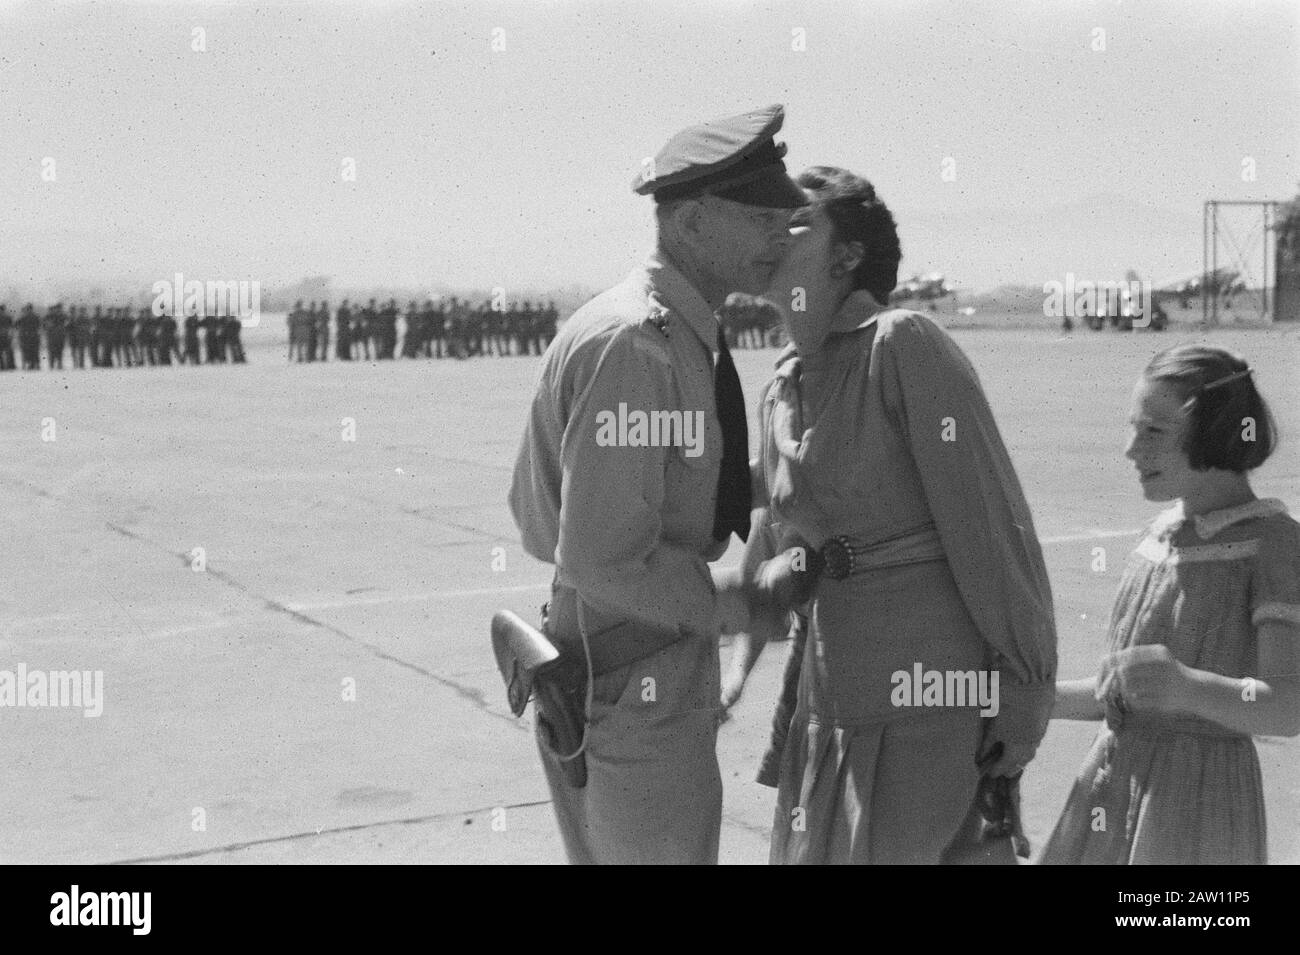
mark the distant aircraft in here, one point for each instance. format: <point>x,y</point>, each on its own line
<point>924,288</point>
<point>1223,282</point>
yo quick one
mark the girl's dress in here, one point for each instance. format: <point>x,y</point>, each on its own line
<point>1173,789</point>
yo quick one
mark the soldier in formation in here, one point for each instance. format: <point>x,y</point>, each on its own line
<point>382,332</point>
<point>6,340</point>
<point>110,337</point>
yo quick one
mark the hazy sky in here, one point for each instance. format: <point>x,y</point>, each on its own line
<point>512,167</point>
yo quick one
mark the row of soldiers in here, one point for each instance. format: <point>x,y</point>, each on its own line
<point>749,321</point>
<point>115,337</point>
<point>454,329</point>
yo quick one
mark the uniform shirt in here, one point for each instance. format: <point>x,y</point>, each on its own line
<point>629,528</point>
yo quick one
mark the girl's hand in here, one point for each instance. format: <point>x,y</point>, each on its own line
<point>732,686</point>
<point>1145,678</point>
<point>744,654</point>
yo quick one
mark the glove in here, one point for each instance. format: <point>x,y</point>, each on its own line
<point>1024,710</point>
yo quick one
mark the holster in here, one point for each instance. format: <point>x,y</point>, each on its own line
<point>534,667</point>
<point>553,670</point>
<point>561,699</point>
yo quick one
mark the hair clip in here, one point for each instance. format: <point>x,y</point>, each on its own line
<point>1226,379</point>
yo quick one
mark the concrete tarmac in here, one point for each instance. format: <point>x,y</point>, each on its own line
<point>285,574</point>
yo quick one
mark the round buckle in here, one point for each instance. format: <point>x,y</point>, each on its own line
<point>839,558</point>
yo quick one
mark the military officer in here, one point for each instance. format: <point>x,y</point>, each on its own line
<point>294,320</point>
<point>322,332</point>
<point>632,528</point>
<point>166,340</point>
<point>123,329</point>
<point>56,333</point>
<point>343,331</point>
<point>191,338</point>
<point>211,326</point>
<point>29,337</point>
<point>146,337</point>
<point>411,341</point>
<point>550,321</point>
<point>6,340</point>
<point>437,326</point>
<point>234,345</point>
<point>482,324</point>
<point>428,316</point>
<point>524,328</point>
<point>79,335</point>
<point>388,330</point>
<point>95,341</point>
<point>366,327</point>
<point>310,324</point>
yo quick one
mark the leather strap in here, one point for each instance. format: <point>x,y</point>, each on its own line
<point>621,644</point>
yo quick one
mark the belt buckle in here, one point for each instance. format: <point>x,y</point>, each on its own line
<point>840,558</point>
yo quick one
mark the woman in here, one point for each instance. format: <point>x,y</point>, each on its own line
<point>882,465</point>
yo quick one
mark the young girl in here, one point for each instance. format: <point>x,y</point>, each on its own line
<point>1205,635</point>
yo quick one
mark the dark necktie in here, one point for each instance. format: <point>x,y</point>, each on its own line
<point>735,494</point>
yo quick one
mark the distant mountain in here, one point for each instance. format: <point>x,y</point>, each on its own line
<point>1097,238</point>
<point>48,265</point>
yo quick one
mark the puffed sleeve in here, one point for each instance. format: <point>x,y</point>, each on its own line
<point>977,505</point>
<point>610,547</point>
<point>1275,589</point>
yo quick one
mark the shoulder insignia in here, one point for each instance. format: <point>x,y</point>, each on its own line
<point>659,319</point>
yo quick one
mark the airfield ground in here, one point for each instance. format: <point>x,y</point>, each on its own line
<point>376,564</point>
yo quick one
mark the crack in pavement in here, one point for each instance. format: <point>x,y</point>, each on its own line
<point>473,696</point>
<point>729,819</point>
<point>315,833</point>
<point>486,535</point>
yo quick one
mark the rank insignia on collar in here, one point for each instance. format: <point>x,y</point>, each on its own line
<point>660,321</point>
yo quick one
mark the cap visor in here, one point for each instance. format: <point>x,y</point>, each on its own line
<point>773,189</point>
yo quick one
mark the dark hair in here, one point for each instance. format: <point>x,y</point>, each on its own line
<point>1221,412</point>
<point>858,215</point>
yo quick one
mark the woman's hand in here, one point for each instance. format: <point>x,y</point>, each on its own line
<point>1011,737</point>
<point>1006,758</point>
<point>1145,678</point>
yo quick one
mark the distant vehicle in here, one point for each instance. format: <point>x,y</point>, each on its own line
<point>922,288</point>
<point>1120,310</point>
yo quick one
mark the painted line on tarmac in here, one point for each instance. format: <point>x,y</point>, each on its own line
<point>379,599</point>
<point>411,598</point>
<point>315,833</point>
<point>1089,536</point>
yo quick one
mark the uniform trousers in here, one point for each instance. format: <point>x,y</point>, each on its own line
<point>654,790</point>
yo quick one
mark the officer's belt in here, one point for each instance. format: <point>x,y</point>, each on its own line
<point>612,645</point>
<point>617,646</point>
